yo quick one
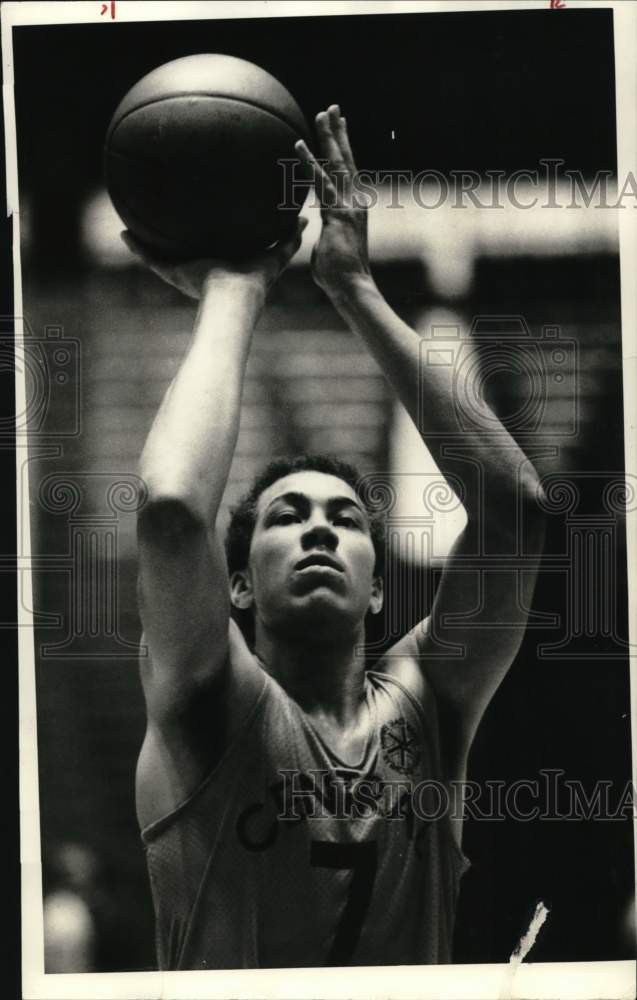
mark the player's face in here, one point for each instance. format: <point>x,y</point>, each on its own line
<point>312,556</point>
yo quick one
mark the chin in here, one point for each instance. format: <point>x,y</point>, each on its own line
<point>321,617</point>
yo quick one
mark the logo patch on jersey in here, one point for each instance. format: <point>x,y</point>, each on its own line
<point>399,743</point>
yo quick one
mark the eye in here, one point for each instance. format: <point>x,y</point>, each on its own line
<point>346,521</point>
<point>287,517</point>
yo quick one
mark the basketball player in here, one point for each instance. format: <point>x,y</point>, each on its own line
<point>295,809</point>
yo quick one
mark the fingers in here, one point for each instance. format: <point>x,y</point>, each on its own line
<point>327,140</point>
<point>333,182</point>
<point>293,243</point>
<point>283,252</point>
<point>332,131</point>
<point>339,129</point>
<point>131,243</point>
<point>325,189</point>
<point>139,250</point>
<point>289,246</point>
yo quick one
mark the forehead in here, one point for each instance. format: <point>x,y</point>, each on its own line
<point>318,487</point>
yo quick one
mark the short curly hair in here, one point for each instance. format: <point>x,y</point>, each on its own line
<point>243,516</point>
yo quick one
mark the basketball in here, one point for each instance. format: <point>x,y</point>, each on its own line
<point>193,153</point>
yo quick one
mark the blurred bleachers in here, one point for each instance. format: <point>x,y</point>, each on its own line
<point>310,386</point>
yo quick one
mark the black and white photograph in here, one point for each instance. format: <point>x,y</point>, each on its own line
<point>324,343</point>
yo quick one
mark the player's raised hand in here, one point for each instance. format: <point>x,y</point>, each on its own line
<point>191,276</point>
<point>340,255</point>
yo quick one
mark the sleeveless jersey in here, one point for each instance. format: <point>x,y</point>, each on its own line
<point>285,856</point>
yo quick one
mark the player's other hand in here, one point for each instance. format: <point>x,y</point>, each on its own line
<point>193,277</point>
<point>340,256</point>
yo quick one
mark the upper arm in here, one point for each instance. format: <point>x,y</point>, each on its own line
<point>199,678</point>
<point>184,602</point>
<point>475,629</point>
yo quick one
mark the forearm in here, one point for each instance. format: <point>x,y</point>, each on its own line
<point>424,383</point>
<point>191,443</point>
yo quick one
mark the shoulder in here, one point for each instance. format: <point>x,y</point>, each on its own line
<point>403,663</point>
<point>445,729</point>
<point>402,694</point>
<point>186,740</point>
<point>239,678</point>
<point>406,666</point>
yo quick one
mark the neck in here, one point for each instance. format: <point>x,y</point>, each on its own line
<point>325,678</point>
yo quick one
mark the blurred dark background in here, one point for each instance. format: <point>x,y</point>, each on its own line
<point>471,91</point>
<point>476,91</point>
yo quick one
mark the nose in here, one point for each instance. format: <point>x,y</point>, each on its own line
<point>319,533</point>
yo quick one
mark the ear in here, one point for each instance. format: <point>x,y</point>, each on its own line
<point>241,594</point>
<point>376,600</point>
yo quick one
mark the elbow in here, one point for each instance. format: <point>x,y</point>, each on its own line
<point>516,514</point>
<point>172,505</point>
<point>524,492</point>
<point>169,519</point>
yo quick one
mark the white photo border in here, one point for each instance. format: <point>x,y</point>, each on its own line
<point>613,980</point>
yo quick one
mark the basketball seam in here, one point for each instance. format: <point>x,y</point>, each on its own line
<point>197,93</point>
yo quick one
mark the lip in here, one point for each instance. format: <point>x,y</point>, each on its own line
<point>318,561</point>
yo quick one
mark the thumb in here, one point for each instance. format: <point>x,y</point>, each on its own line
<point>135,247</point>
<point>129,241</point>
<point>301,225</point>
<point>289,246</point>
